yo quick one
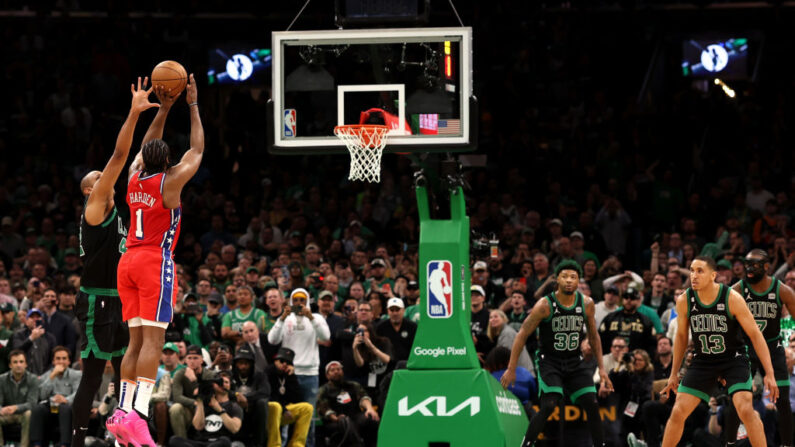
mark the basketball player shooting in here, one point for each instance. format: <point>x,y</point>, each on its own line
<point>146,274</point>
<point>102,233</point>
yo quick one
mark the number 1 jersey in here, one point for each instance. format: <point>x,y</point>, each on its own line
<point>151,223</point>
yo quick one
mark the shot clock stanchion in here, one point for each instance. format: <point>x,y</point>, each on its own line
<point>444,398</point>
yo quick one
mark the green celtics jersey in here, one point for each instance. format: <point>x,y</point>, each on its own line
<point>236,318</point>
<point>559,334</point>
<point>716,333</point>
<point>765,307</point>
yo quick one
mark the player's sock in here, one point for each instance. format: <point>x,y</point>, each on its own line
<point>588,403</point>
<point>145,387</point>
<point>785,424</point>
<point>731,423</point>
<point>126,395</point>
<point>84,397</point>
<point>548,404</point>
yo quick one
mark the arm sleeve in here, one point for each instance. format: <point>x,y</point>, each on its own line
<point>45,386</point>
<point>74,380</point>
<point>178,390</point>
<point>205,331</point>
<point>261,389</point>
<point>31,397</point>
<point>323,406</point>
<point>321,327</point>
<point>276,332</point>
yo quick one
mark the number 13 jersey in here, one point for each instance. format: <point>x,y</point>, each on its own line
<point>151,223</point>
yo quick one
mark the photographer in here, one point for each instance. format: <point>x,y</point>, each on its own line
<point>223,358</point>
<point>373,356</point>
<point>185,388</point>
<point>217,418</point>
<point>196,327</point>
<point>300,330</point>
<point>633,385</point>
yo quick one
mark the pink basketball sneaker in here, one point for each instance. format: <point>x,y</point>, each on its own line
<point>114,426</point>
<point>135,430</point>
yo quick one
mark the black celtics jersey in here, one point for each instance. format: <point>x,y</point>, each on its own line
<point>101,247</point>
<point>716,333</point>
<point>765,307</point>
<point>559,334</point>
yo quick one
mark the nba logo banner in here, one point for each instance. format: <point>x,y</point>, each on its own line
<point>289,122</point>
<point>440,289</point>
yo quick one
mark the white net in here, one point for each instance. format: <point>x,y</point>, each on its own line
<point>366,145</point>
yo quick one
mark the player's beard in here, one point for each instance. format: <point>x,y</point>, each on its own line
<point>758,275</point>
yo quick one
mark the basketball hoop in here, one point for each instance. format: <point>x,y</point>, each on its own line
<point>365,143</point>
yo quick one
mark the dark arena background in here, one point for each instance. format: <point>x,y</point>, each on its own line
<point>629,136</point>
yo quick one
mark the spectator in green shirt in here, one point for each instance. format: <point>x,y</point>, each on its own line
<point>232,326</point>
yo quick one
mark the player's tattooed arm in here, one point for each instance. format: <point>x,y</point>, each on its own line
<point>539,312</point>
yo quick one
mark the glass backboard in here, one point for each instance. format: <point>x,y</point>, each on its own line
<point>417,81</point>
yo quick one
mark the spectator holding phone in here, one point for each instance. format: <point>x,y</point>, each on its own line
<point>300,330</point>
<point>35,342</point>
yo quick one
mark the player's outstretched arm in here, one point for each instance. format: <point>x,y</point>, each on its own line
<point>155,128</point>
<point>187,167</point>
<point>680,344</point>
<point>537,314</point>
<point>743,315</point>
<point>596,343</point>
<point>102,192</point>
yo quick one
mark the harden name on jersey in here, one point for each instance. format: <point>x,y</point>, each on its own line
<point>142,197</point>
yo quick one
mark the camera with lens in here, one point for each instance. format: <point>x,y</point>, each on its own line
<point>360,331</point>
<point>206,389</point>
<point>626,358</point>
<point>317,280</point>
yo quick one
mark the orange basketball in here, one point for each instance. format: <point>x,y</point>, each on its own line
<point>171,75</point>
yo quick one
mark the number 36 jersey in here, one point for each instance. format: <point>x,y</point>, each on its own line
<point>559,334</point>
<point>151,223</point>
<point>715,331</point>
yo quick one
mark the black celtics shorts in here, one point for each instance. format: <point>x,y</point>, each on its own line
<point>779,359</point>
<point>102,331</point>
<point>571,377</point>
<point>701,378</point>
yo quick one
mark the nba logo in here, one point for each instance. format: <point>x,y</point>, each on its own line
<point>440,289</point>
<point>289,123</point>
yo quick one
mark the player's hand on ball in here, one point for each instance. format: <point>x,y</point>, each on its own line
<point>191,95</point>
<point>164,96</point>
<point>140,97</point>
<point>772,388</point>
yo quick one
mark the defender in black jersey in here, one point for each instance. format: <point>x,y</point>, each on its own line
<point>716,316</point>
<point>765,297</point>
<point>104,335</point>
<point>560,318</point>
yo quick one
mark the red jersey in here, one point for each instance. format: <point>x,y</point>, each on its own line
<point>151,223</point>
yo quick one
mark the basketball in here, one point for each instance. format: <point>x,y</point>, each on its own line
<point>171,75</point>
